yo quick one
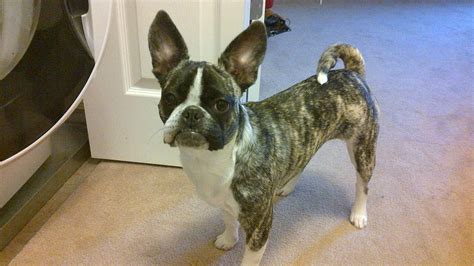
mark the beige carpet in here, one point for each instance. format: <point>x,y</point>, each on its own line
<point>419,64</point>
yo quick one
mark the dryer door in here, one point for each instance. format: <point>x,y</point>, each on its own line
<point>49,76</point>
<point>18,20</point>
<point>41,90</point>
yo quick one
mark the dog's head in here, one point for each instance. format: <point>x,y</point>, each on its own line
<point>200,101</point>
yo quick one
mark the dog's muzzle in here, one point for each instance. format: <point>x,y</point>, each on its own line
<point>187,133</point>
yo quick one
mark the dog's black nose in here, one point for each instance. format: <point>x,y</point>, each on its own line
<point>192,114</point>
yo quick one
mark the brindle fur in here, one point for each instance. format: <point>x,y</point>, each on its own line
<point>287,128</point>
<point>290,127</point>
<point>351,57</point>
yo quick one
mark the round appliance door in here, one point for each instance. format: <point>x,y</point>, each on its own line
<point>49,67</point>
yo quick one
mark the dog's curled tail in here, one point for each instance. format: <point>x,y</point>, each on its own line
<point>351,57</point>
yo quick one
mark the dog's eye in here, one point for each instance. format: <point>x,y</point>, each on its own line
<point>222,106</point>
<point>170,98</point>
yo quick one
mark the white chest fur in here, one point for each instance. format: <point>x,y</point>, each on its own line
<point>212,172</point>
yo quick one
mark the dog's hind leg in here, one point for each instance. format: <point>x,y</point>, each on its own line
<point>257,229</point>
<point>362,152</point>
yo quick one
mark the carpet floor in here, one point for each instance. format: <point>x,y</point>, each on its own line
<point>420,65</point>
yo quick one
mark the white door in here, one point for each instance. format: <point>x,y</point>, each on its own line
<point>121,103</point>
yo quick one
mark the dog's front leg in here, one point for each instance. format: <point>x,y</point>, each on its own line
<point>230,236</point>
<point>257,231</point>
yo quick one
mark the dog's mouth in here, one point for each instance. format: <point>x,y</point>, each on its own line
<point>185,137</point>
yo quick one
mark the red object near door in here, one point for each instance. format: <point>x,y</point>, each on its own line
<point>268,3</point>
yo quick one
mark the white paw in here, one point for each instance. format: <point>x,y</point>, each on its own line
<point>288,188</point>
<point>359,219</point>
<point>285,192</point>
<point>225,241</point>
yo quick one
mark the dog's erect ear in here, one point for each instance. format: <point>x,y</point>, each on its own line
<point>244,55</point>
<point>166,46</point>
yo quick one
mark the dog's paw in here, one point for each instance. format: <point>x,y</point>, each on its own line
<point>225,241</point>
<point>287,189</point>
<point>284,193</point>
<point>358,219</point>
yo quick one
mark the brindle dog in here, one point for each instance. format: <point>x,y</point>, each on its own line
<point>240,156</point>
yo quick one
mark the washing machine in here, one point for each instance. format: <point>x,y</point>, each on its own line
<point>49,50</point>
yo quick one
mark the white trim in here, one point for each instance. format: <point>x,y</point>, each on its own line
<point>145,88</point>
<point>123,43</point>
